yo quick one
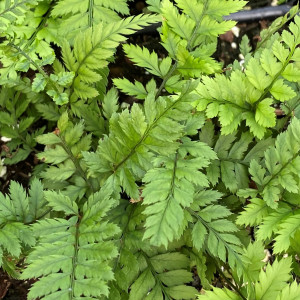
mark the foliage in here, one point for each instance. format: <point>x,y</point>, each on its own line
<point>195,178</point>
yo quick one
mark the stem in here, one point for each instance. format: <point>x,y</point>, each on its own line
<point>155,275</point>
<point>74,260</point>
<point>54,86</point>
<point>90,12</point>
<point>230,283</point>
<point>76,163</point>
<point>192,39</point>
<point>167,77</point>
<point>122,238</point>
<point>270,33</point>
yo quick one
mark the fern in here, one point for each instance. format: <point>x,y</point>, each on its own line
<point>76,17</point>
<point>147,272</point>
<point>234,156</point>
<point>195,177</point>
<point>275,212</point>
<point>264,76</point>
<point>179,176</point>
<point>135,136</point>
<point>213,231</point>
<point>72,256</point>
<point>93,49</point>
<point>12,11</point>
<point>281,166</point>
<point>268,284</point>
<point>17,211</point>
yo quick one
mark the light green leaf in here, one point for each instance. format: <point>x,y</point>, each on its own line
<point>39,83</point>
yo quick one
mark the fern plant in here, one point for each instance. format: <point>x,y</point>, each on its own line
<point>195,180</point>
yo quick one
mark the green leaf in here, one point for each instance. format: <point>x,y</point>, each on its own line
<point>59,202</point>
<point>110,103</point>
<point>281,91</point>
<point>63,78</point>
<point>60,173</point>
<point>53,155</point>
<point>39,83</point>
<point>218,294</point>
<point>143,58</point>
<point>36,199</point>
<point>135,89</point>
<point>58,98</point>
<point>198,235</point>
<point>257,75</point>
<point>270,284</point>
<point>288,228</point>
<point>265,114</point>
<point>290,292</point>
<point>10,242</point>
<point>48,139</point>
<point>142,285</point>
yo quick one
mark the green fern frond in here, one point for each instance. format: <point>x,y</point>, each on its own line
<point>156,275</point>
<point>281,171</point>
<point>80,15</point>
<point>72,257</point>
<point>17,210</point>
<point>93,49</point>
<point>269,285</point>
<point>213,231</point>
<point>136,135</point>
<point>143,58</point>
<point>63,152</point>
<point>14,11</point>
<point>246,95</point>
<point>178,175</point>
<point>290,292</point>
<point>234,156</point>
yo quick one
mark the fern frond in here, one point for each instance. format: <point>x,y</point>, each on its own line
<point>63,152</point>
<point>157,275</point>
<point>290,292</point>
<point>213,231</point>
<point>133,89</point>
<point>270,284</point>
<point>143,58</point>
<point>265,75</point>
<point>14,11</point>
<point>72,260</point>
<point>17,210</point>
<point>93,48</point>
<point>80,15</point>
<point>178,175</point>
<point>234,155</point>
<point>282,163</point>
<point>136,135</point>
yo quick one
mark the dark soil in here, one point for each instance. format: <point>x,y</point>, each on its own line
<point>12,289</point>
